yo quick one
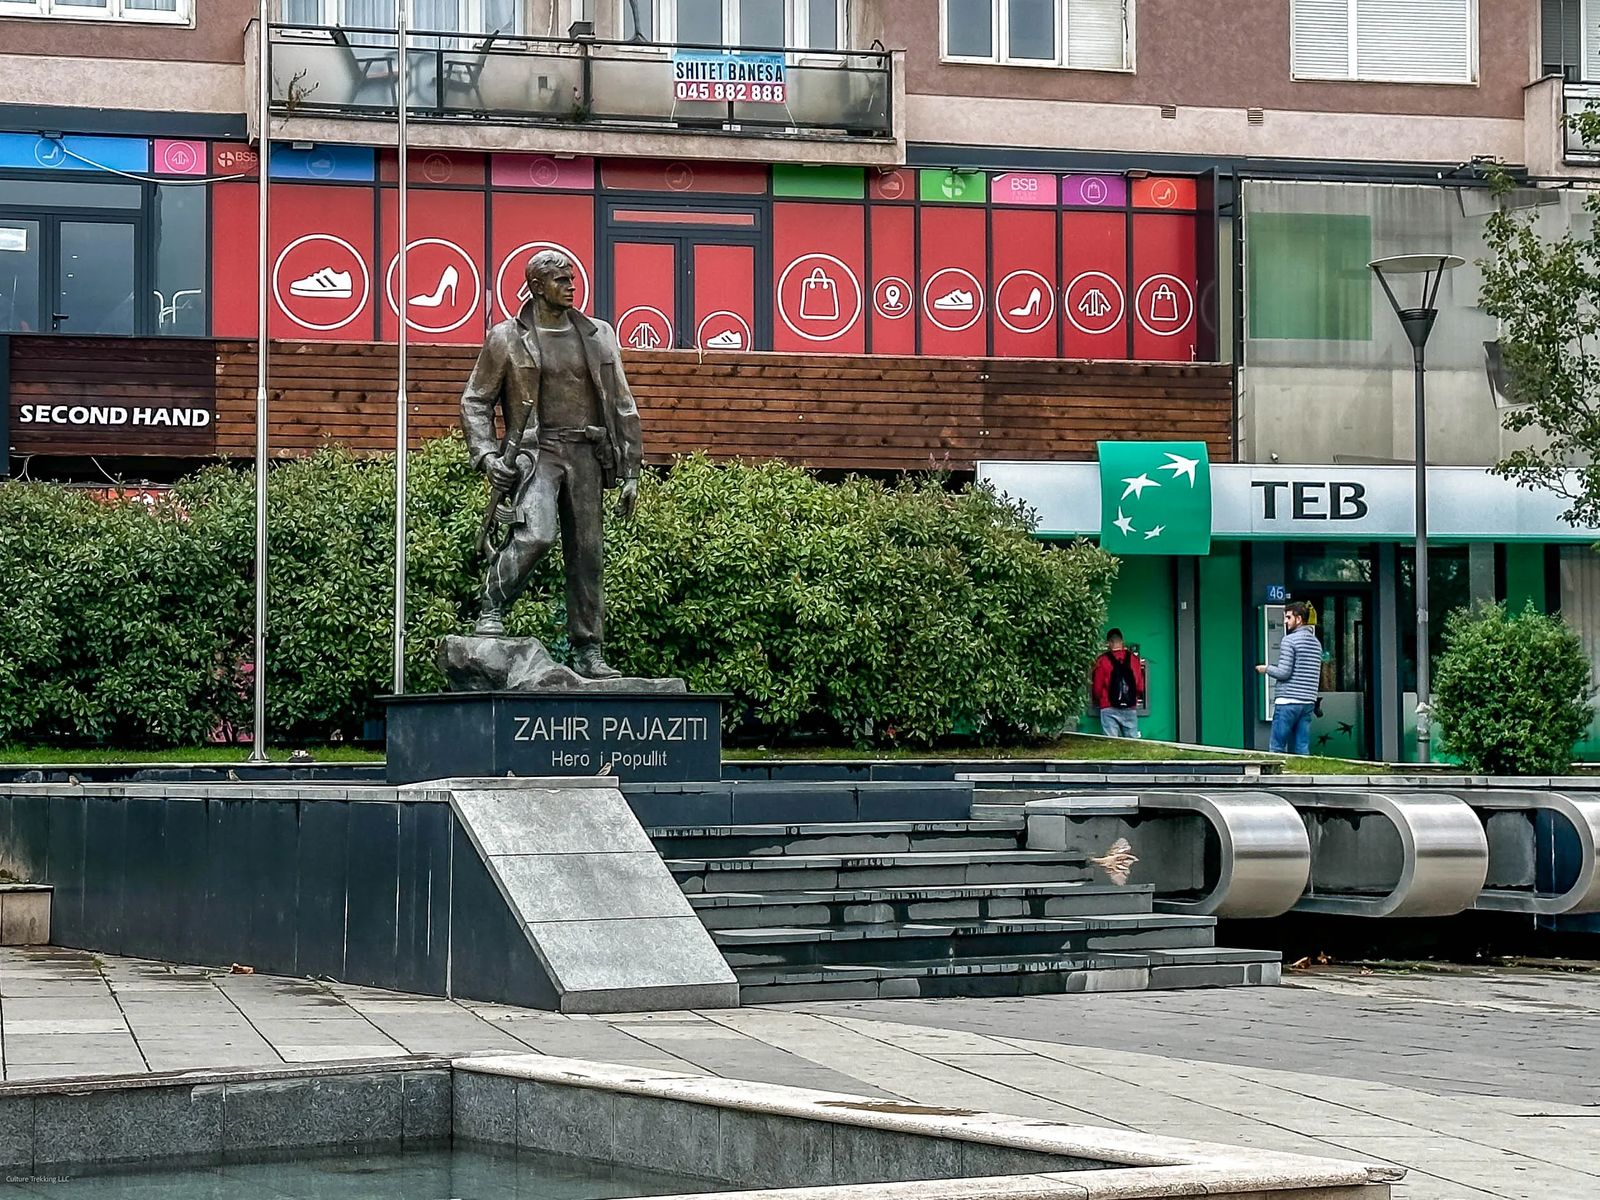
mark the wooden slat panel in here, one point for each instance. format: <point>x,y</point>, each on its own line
<point>852,412</point>
<point>845,412</point>
<point>138,383</point>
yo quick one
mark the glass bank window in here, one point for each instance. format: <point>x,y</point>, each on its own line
<point>95,257</point>
<point>19,275</point>
<point>178,230</point>
<point>1449,588</point>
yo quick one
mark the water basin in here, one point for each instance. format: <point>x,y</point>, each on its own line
<point>460,1172</point>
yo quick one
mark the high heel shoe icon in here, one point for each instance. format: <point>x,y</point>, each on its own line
<point>447,283</point>
<point>1031,308</point>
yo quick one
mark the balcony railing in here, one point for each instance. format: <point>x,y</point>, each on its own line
<point>353,72</point>
<point>1576,97</point>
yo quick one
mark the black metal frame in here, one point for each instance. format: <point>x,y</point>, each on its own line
<point>446,49</point>
<point>685,238</point>
<point>50,222</point>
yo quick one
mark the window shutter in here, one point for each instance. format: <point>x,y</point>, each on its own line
<point>1591,32</point>
<point>1320,37</point>
<point>1414,39</point>
<point>1561,34</point>
<point>1097,34</point>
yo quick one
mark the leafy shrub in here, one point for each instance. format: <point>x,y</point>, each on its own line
<point>855,610</point>
<point>1512,692</point>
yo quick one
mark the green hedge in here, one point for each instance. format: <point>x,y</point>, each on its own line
<point>1511,693</point>
<point>853,611</point>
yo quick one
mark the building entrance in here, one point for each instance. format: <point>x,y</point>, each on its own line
<point>687,279</point>
<point>1339,586</point>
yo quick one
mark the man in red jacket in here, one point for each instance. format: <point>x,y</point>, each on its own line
<point>1118,688</point>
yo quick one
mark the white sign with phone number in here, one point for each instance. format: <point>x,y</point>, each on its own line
<point>730,76</point>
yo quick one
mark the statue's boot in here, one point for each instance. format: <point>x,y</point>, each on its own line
<point>490,623</point>
<point>589,662</point>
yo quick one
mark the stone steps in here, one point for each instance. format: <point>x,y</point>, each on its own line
<point>1010,975</point>
<point>887,944</point>
<point>802,872</point>
<point>847,837</point>
<point>884,908</point>
<point>871,906</point>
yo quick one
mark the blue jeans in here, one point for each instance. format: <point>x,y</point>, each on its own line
<point>1119,722</point>
<point>1291,727</point>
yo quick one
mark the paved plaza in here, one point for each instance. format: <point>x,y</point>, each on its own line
<point>1479,1082</point>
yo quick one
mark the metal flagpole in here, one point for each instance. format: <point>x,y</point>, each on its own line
<point>258,737</point>
<point>402,303</point>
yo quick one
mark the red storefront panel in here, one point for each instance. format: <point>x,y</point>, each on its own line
<point>233,158</point>
<point>818,264</point>
<point>321,276</point>
<point>523,225</point>
<point>644,286</point>
<point>898,184</point>
<point>661,175</point>
<point>445,269</point>
<point>1094,284</point>
<point>953,299</point>
<point>1165,288</point>
<point>1161,192</point>
<point>893,279</point>
<point>434,168</point>
<point>1025,289</point>
<point>542,171</point>
<point>724,296</point>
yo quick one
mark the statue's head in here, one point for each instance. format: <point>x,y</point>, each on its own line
<point>551,276</point>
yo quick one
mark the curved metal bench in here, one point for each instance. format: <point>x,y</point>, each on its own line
<point>1582,814</point>
<point>1444,853</point>
<point>1265,855</point>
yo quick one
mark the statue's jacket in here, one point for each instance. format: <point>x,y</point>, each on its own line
<point>506,378</point>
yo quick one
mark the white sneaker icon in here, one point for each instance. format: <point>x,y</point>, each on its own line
<point>958,300</point>
<point>728,339</point>
<point>325,283</point>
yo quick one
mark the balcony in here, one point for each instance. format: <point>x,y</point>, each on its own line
<point>340,84</point>
<point>1575,98</point>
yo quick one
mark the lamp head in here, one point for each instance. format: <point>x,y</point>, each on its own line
<point>1417,320</point>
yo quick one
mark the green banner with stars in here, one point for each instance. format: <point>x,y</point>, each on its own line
<point>1155,498</point>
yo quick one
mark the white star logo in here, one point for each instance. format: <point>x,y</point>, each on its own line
<point>1180,466</point>
<point>1137,485</point>
<point>1155,533</point>
<point>1124,523</point>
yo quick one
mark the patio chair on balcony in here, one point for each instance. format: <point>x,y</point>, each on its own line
<point>463,75</point>
<point>380,69</point>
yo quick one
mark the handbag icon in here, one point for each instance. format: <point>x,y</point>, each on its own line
<point>819,297</point>
<point>1163,304</point>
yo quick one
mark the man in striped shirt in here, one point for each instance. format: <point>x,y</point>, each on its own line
<point>1299,676</point>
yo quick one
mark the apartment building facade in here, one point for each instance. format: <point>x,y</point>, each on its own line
<point>864,234</point>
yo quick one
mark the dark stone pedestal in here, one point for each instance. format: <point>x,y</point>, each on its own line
<point>647,737</point>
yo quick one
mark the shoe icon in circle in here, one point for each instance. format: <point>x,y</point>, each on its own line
<point>957,300</point>
<point>728,339</point>
<point>1031,308</point>
<point>447,282</point>
<point>323,284</point>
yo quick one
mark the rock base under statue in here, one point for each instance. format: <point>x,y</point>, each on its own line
<point>504,664</point>
<point>513,710</point>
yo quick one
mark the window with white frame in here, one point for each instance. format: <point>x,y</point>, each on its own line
<point>165,12</point>
<point>451,16</point>
<point>1387,41</point>
<point>805,24</point>
<point>1087,34</point>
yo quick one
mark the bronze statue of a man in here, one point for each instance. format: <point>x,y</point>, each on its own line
<point>570,430</point>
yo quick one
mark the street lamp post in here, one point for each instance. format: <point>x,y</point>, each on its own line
<point>1418,324</point>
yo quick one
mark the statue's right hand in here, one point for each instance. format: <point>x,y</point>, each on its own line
<point>502,474</point>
